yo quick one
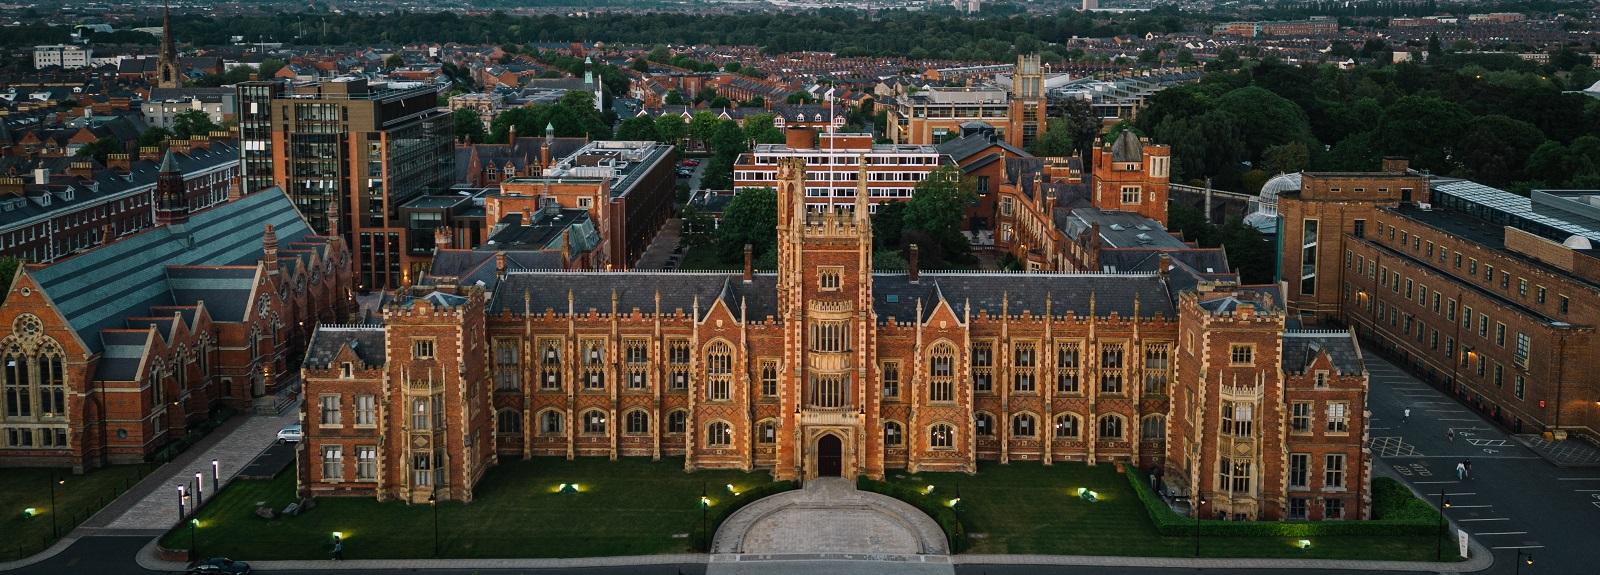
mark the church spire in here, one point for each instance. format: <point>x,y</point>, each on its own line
<point>167,75</point>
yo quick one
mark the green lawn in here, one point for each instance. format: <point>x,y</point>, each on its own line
<point>77,497</point>
<point>627,507</point>
<point>1029,508</point>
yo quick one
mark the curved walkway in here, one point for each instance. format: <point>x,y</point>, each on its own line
<point>830,516</point>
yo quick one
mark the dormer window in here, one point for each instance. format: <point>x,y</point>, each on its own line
<point>1322,380</point>
<point>346,370</point>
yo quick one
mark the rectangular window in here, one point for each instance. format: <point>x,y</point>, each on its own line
<point>1023,366</point>
<point>366,410</point>
<point>1360,228</point>
<point>330,409</point>
<point>366,463</point>
<point>1299,470</point>
<point>1539,294</point>
<point>1519,387</point>
<point>421,418</point>
<point>1333,508</point>
<point>1500,334</point>
<point>983,366</point>
<point>829,278</point>
<point>332,463</point>
<point>1067,368</point>
<point>1111,368</point>
<point>1338,417</point>
<point>769,378</point>
<point>1297,508</point>
<point>1521,355</point>
<point>1300,417</point>
<point>1562,303</point>
<point>1130,194</point>
<point>422,348</point>
<point>1156,368</point>
<point>678,364</point>
<point>891,380</point>
<point>1308,258</point>
<point>1242,354</point>
<point>507,364</point>
<point>1333,471</point>
<point>636,357</point>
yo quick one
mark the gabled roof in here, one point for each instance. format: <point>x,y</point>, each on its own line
<point>1301,348</point>
<point>367,341</point>
<point>100,288</point>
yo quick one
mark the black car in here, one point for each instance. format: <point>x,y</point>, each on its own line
<point>220,566</point>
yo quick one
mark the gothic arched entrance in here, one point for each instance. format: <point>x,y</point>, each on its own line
<point>830,456</point>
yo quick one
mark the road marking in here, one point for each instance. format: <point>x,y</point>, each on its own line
<point>1466,506</point>
<point>1586,490</point>
<point>1433,482</point>
<point>1502,533</point>
<point>1520,547</point>
<point>1472,419</point>
<point>1578,479</point>
<point>1489,519</point>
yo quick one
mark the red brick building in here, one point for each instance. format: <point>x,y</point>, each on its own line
<point>114,352</point>
<point>822,368</point>
<point>1488,294</point>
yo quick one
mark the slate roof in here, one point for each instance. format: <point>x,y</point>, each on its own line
<point>965,147</point>
<point>1122,229</point>
<point>100,288</point>
<point>124,349</point>
<point>107,184</point>
<point>225,290</point>
<point>327,340</point>
<point>1127,148</point>
<point>893,293</point>
<point>1300,348</point>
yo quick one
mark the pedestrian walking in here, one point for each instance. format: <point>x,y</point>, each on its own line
<point>338,550</point>
<point>1461,470</point>
<point>1468,463</point>
<point>1451,434</point>
<point>1406,416</point>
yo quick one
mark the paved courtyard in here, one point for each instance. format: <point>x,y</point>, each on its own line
<point>830,516</point>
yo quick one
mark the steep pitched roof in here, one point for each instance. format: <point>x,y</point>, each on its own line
<point>367,341</point>
<point>1300,349</point>
<point>99,288</point>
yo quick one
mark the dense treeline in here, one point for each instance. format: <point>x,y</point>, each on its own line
<point>1497,119</point>
<point>847,32</point>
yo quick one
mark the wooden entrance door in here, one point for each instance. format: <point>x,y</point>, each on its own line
<point>830,456</point>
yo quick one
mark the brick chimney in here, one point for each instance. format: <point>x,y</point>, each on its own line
<point>149,153</point>
<point>81,169</point>
<point>800,138</point>
<point>442,238</point>
<point>749,263</point>
<point>235,190</point>
<point>500,262</point>
<point>913,265</point>
<point>119,162</point>
<point>1163,264</point>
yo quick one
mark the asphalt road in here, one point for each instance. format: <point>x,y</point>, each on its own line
<point>1513,500</point>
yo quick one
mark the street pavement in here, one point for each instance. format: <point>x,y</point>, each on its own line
<point>1513,501</point>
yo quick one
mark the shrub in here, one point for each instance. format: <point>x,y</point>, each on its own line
<point>1408,521</point>
<point>955,531</point>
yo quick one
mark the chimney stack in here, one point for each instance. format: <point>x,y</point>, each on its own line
<point>800,138</point>
<point>749,263</point>
<point>500,262</point>
<point>235,190</point>
<point>269,250</point>
<point>119,162</point>
<point>912,263</point>
<point>1163,264</point>
<point>82,169</point>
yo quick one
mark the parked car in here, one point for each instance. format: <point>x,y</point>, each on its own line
<point>220,566</point>
<point>691,163</point>
<point>291,433</point>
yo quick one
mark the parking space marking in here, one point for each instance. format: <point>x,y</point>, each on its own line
<point>1520,547</point>
<point>1578,479</point>
<point>1502,533</point>
<point>1487,519</point>
<point>1434,482</point>
<point>1392,446</point>
<point>1467,506</point>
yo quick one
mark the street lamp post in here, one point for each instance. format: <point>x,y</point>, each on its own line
<point>199,490</point>
<point>1523,556</point>
<point>215,471</point>
<point>1198,502</point>
<point>433,501</point>
<point>1438,544</point>
<point>194,547</point>
<point>705,538</point>
<point>183,499</point>
<point>54,530</point>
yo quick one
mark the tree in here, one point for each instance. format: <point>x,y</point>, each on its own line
<point>888,223</point>
<point>269,67</point>
<point>638,128</point>
<point>469,127</point>
<point>100,148</point>
<point>8,272</point>
<point>640,65</point>
<point>937,207</point>
<point>675,98</point>
<point>1496,149</point>
<point>700,126</point>
<point>394,61</point>
<point>751,218</point>
<point>192,123</point>
<point>1286,158</point>
<point>759,129</point>
<point>154,136</point>
<point>800,97</point>
<point>1425,129</point>
<point>1074,131</point>
<point>670,128</point>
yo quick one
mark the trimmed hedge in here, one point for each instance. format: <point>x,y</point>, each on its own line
<point>949,521</point>
<point>738,502</point>
<point>1396,512</point>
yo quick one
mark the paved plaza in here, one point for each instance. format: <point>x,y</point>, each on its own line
<point>830,516</point>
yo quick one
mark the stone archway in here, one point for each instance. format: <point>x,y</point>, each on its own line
<point>830,456</point>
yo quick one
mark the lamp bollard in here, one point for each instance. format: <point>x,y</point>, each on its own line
<point>215,471</point>
<point>1438,544</point>
<point>183,500</point>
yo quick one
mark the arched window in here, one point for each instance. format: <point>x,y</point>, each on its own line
<point>767,431</point>
<point>1067,426</point>
<point>719,371</point>
<point>1153,428</point>
<point>508,421</point>
<point>941,373</point>
<point>594,421</point>
<point>550,365</point>
<point>983,423</point>
<point>941,436</point>
<point>550,423</point>
<point>892,435</point>
<point>719,434</point>
<point>1023,425</point>
<point>638,422</point>
<point>52,385</point>
<point>19,399</point>
<point>1111,427</point>
<point>677,421</point>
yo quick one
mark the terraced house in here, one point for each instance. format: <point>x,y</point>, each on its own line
<point>826,368</point>
<point>113,352</point>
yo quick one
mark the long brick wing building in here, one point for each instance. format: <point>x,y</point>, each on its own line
<point>827,368</point>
